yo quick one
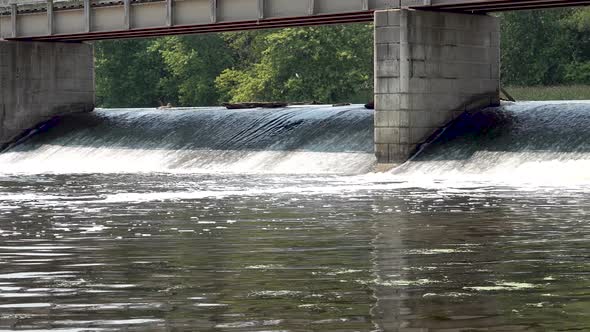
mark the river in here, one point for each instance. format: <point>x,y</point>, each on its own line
<point>271,220</point>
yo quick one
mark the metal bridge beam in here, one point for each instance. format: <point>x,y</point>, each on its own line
<point>63,20</point>
<point>98,19</point>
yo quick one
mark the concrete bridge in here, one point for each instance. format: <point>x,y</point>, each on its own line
<point>434,59</point>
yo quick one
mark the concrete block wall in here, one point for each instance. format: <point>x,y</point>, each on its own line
<point>429,68</point>
<point>41,80</point>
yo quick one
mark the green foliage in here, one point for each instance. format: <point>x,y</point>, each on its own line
<point>193,64</point>
<point>578,72</point>
<point>127,74</point>
<point>580,20</point>
<point>177,70</point>
<point>578,24</point>
<point>545,47</point>
<point>325,64</point>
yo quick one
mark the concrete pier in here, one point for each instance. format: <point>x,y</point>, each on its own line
<point>41,80</point>
<point>429,68</point>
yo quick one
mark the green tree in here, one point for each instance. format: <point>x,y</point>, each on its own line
<point>193,63</point>
<point>325,64</point>
<point>127,74</point>
<point>150,72</point>
<point>545,47</point>
<point>578,25</point>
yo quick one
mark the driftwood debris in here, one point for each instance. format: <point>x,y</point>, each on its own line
<point>167,106</point>
<point>300,103</point>
<point>370,105</point>
<point>237,106</point>
<point>341,104</point>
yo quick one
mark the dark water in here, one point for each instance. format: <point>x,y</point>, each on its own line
<point>410,251</point>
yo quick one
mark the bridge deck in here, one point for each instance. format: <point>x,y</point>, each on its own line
<point>80,20</point>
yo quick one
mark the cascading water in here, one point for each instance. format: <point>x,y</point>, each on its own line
<point>294,140</point>
<point>546,142</point>
<point>530,141</point>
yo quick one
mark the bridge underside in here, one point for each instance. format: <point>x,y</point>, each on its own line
<point>271,23</point>
<point>82,20</point>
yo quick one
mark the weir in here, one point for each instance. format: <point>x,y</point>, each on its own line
<point>430,66</point>
<point>307,139</point>
<point>514,143</point>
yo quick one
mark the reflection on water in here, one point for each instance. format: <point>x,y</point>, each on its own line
<point>290,253</point>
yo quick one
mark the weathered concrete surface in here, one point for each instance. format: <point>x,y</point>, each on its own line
<point>429,68</point>
<point>41,80</point>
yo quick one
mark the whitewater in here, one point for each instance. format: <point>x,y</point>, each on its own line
<point>524,142</point>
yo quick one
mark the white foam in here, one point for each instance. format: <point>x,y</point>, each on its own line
<point>303,140</point>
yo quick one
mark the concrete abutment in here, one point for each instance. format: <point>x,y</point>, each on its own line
<point>39,81</point>
<point>430,67</point>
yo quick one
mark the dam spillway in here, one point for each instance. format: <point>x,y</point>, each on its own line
<point>524,140</point>
<point>537,142</point>
<point>308,140</point>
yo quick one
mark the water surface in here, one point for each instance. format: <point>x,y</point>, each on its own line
<point>168,243</point>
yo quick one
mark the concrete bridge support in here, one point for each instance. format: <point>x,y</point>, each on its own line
<point>429,68</point>
<point>41,80</point>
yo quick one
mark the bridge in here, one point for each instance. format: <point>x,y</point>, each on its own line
<point>84,20</point>
<point>434,59</point>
